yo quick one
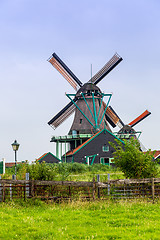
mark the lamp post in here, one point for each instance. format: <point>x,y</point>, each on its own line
<point>15,147</point>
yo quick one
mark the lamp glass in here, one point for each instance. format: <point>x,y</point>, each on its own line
<point>15,145</point>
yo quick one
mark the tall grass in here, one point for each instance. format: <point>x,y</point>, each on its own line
<point>63,171</point>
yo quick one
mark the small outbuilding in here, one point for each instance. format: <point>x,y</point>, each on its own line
<point>48,158</point>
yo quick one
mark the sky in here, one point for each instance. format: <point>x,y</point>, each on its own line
<point>81,33</point>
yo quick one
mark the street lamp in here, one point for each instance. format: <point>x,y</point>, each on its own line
<point>15,147</point>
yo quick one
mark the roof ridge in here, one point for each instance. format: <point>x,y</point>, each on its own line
<point>45,154</point>
<point>42,156</point>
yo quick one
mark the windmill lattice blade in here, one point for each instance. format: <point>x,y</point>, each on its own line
<point>112,63</point>
<point>140,118</point>
<point>63,114</point>
<point>65,71</point>
<point>112,117</point>
<point>120,123</point>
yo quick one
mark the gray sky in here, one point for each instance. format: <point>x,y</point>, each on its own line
<point>81,33</point>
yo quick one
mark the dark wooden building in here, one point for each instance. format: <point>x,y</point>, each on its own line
<point>48,158</point>
<point>95,150</point>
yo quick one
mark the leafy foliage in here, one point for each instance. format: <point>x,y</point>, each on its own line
<point>41,171</point>
<point>132,161</point>
<point>62,171</point>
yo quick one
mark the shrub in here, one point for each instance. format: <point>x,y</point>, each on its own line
<point>41,171</point>
<point>132,161</point>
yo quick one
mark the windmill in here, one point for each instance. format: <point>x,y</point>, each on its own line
<point>92,113</point>
<point>127,130</point>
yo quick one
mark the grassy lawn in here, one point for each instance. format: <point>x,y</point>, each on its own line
<point>80,220</point>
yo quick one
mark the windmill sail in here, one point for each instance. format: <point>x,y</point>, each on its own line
<point>111,64</point>
<point>120,123</point>
<point>140,118</point>
<point>62,115</point>
<point>59,118</point>
<point>65,71</point>
<point>112,117</point>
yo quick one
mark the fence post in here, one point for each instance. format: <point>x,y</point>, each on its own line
<point>10,186</point>
<point>94,188</point>
<point>124,190</point>
<point>98,180</point>
<point>4,166</point>
<point>69,188</point>
<point>27,185</point>
<point>13,177</point>
<point>153,190</point>
<point>32,188</point>
<point>108,184</point>
<point>3,192</point>
<point>10,191</point>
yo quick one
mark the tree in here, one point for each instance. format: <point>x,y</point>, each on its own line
<point>132,161</point>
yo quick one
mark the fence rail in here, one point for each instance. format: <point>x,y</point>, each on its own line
<point>58,190</point>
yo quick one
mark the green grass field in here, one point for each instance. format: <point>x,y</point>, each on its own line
<point>80,220</point>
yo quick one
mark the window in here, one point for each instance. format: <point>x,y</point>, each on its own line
<point>80,120</point>
<point>104,161</point>
<point>105,148</point>
<point>96,92</point>
<point>88,92</point>
<point>111,162</point>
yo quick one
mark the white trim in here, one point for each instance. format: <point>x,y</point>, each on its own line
<point>157,156</point>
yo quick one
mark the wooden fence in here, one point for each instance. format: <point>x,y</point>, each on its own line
<point>58,190</point>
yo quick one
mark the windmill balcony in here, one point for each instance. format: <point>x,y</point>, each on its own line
<point>127,135</point>
<point>67,138</point>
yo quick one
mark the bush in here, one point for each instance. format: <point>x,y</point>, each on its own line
<point>41,171</point>
<point>49,171</point>
<point>99,167</point>
<point>132,161</point>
